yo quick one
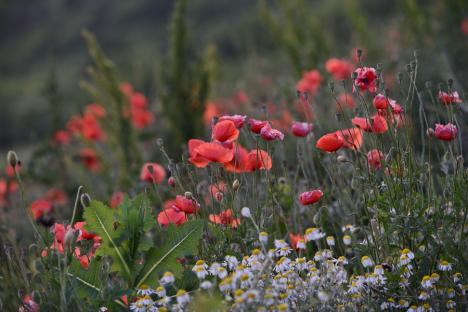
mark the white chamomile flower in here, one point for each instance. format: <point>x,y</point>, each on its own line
<point>263,237</point>
<point>313,234</point>
<point>347,240</point>
<point>366,261</point>
<point>206,285</point>
<point>182,297</point>
<point>330,241</point>
<point>444,265</point>
<point>167,278</point>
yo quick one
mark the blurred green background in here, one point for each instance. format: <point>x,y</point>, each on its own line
<point>42,37</point>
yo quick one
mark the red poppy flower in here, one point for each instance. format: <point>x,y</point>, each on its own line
<point>269,134</point>
<point>126,88</point>
<point>225,131</point>
<point>374,158</point>
<point>97,110</point>
<point>464,26</point>
<point>89,158</point>
<point>90,128</point>
<point>83,234</point>
<point>29,305</point>
<point>138,100</point>
<point>310,197</point>
<point>238,120</point>
<point>301,129</point>
<point>171,216</point>
<point>186,205</point>
<point>446,132</point>
<point>345,100</point>
<point>330,142</point>
<point>259,160</point>
<point>377,125</point>
<point>449,98</point>
<point>240,161</point>
<point>40,207</point>
<point>225,218</point>
<point>365,79</point>
<point>211,110</point>
<point>157,174</point>
<point>241,97</point>
<point>257,125</point>
<point>56,196</point>
<point>339,69</point>
<point>195,158</point>
<point>141,118</point>
<point>380,101</point>
<point>295,238</point>
<point>214,152</point>
<point>62,137</point>
<point>116,199</point>
<point>218,187</point>
<point>352,138</point>
<point>310,82</point>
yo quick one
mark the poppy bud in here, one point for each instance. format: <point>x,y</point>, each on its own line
<point>236,184</point>
<point>430,132</point>
<point>428,84</point>
<point>450,82</point>
<point>316,218</point>
<point>359,53</point>
<point>400,77</point>
<point>171,181</point>
<point>69,237</point>
<point>342,158</point>
<point>85,200</point>
<point>219,196</point>
<point>188,195</point>
<point>379,66</point>
<point>159,142</point>
<point>12,158</point>
<point>408,68</point>
<point>460,161</point>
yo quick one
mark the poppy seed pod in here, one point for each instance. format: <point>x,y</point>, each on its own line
<point>12,158</point>
<point>85,200</point>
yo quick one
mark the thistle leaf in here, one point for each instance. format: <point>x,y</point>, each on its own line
<point>100,220</point>
<point>181,241</point>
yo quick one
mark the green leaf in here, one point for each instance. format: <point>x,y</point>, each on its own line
<point>100,220</point>
<point>180,242</point>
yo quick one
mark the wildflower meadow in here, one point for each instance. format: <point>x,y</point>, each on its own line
<point>337,182</point>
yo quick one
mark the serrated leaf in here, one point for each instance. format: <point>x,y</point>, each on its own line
<point>180,242</point>
<point>100,220</point>
<point>87,282</point>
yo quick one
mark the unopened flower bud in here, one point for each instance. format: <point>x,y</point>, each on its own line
<point>159,142</point>
<point>12,158</point>
<point>450,82</point>
<point>400,77</point>
<point>430,132</point>
<point>188,195</point>
<point>171,181</point>
<point>246,212</point>
<point>428,84</point>
<point>85,200</point>
<point>235,185</point>
<point>359,53</point>
<point>342,158</point>
<point>219,196</point>
<point>69,237</point>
